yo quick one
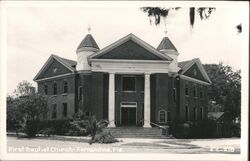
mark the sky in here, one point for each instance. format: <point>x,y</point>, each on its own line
<point>34,32</point>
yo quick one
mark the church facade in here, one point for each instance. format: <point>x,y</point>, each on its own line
<point>129,83</point>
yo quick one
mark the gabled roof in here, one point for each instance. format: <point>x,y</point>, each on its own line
<point>70,64</point>
<point>88,41</point>
<point>134,39</point>
<point>185,65</point>
<point>166,44</point>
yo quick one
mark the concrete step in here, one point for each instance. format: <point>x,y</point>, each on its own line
<point>136,132</point>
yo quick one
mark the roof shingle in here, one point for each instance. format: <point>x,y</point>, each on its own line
<point>88,41</point>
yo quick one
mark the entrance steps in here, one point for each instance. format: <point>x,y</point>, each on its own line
<point>137,132</point>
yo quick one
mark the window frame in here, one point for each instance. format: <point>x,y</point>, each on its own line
<point>65,91</point>
<point>174,94</point>
<point>195,92</point>
<point>63,109</point>
<point>80,93</point>
<point>201,113</point>
<point>54,109</point>
<point>45,89</point>
<point>165,116</point>
<point>55,88</point>
<point>186,89</point>
<point>195,118</point>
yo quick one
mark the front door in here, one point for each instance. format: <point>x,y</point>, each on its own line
<point>128,116</point>
<point>128,113</point>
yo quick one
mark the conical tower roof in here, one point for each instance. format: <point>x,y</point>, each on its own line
<point>166,44</point>
<point>88,41</point>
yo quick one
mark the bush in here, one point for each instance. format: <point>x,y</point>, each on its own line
<point>105,137</point>
<point>201,129</point>
<point>31,128</point>
<point>63,127</point>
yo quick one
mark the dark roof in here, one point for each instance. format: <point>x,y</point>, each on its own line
<point>88,41</point>
<point>166,44</point>
<point>67,62</point>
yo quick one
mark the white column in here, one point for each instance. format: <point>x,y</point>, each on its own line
<point>147,100</point>
<point>111,99</point>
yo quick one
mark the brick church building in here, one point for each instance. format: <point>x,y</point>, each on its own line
<point>129,83</point>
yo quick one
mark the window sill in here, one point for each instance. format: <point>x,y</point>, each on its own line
<point>128,91</point>
<point>65,94</point>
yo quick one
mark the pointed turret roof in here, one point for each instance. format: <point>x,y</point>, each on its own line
<point>88,41</point>
<point>166,44</point>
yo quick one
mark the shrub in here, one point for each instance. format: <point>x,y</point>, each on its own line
<point>105,137</point>
<point>31,128</point>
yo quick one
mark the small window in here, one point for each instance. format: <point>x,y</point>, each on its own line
<point>169,116</point>
<point>128,83</point>
<point>174,94</point>
<point>45,89</point>
<point>54,88</point>
<point>80,93</point>
<point>186,89</point>
<point>65,86</point>
<point>201,93</point>
<point>65,109</point>
<point>54,111</point>
<point>195,114</point>
<point>201,113</point>
<point>195,91</point>
<point>162,116</point>
<point>186,113</point>
<point>87,114</point>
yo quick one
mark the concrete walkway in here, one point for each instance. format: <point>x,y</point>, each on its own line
<point>125,145</point>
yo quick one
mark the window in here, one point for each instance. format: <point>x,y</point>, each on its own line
<point>65,86</point>
<point>186,89</point>
<point>87,113</point>
<point>54,111</point>
<point>162,116</point>
<point>195,114</point>
<point>65,109</point>
<point>201,113</point>
<point>54,88</point>
<point>45,115</point>
<point>195,91</point>
<point>201,93</point>
<point>128,83</point>
<point>169,116</point>
<point>186,113</point>
<point>80,93</point>
<point>174,94</point>
<point>46,89</point>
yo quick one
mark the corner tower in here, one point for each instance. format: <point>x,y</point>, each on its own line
<point>167,47</point>
<point>87,47</point>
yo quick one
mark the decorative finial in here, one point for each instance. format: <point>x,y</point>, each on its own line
<point>89,28</point>
<point>166,32</point>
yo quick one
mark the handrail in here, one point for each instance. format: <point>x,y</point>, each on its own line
<point>154,124</point>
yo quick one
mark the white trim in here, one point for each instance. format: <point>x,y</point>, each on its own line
<point>58,76</point>
<point>128,106</point>
<point>134,39</point>
<point>194,80</point>
<point>129,61</point>
<point>165,112</point>
<point>200,66</point>
<point>49,61</point>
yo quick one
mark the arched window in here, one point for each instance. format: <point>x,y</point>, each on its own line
<point>162,116</point>
<point>65,86</point>
<point>54,88</point>
<point>186,89</point>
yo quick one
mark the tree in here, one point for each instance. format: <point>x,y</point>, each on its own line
<point>27,107</point>
<point>158,13</point>
<point>225,89</point>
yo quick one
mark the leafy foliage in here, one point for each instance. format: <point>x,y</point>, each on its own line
<point>25,109</point>
<point>225,90</point>
<point>158,13</point>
